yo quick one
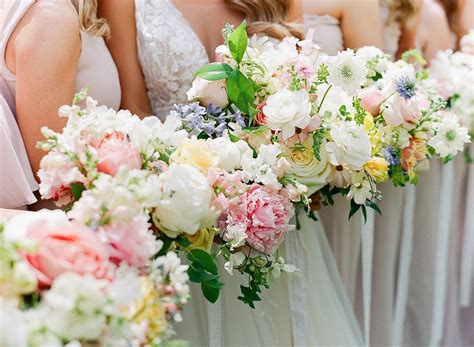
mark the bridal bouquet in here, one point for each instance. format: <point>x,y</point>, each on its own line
<point>136,180</point>
<point>343,123</point>
<point>64,282</point>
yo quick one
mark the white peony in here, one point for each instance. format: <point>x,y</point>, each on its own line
<point>208,92</point>
<point>228,155</point>
<point>186,203</point>
<point>450,137</point>
<point>287,110</point>
<point>347,71</point>
<point>76,306</point>
<point>350,145</point>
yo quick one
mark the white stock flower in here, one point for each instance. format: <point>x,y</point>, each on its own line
<point>76,306</point>
<point>13,328</point>
<point>350,145</point>
<point>360,189</point>
<point>125,287</point>
<point>347,71</point>
<point>235,234</point>
<point>287,110</point>
<point>169,266</point>
<point>235,260</point>
<point>279,266</point>
<point>450,137</point>
<point>264,169</point>
<point>186,203</point>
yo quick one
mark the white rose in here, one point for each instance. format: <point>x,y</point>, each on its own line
<point>186,201</point>
<point>287,110</point>
<point>209,92</point>
<point>350,145</point>
<point>228,154</point>
<point>305,167</point>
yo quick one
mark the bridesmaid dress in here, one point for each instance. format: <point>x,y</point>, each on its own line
<point>96,69</point>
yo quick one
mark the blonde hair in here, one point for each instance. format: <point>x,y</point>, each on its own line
<point>268,17</point>
<point>89,20</point>
<point>401,11</point>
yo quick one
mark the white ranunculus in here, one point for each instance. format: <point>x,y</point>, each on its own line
<point>186,201</point>
<point>13,328</point>
<point>228,154</point>
<point>350,145</point>
<point>347,71</point>
<point>287,110</point>
<point>209,92</point>
<point>450,137</point>
<point>76,306</point>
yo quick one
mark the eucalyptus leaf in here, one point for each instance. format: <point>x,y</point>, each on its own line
<point>202,259</point>
<point>198,275</point>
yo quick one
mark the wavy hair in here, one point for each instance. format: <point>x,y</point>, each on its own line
<point>268,17</point>
<point>89,20</point>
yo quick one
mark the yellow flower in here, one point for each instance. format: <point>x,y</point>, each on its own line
<point>149,310</point>
<point>202,239</point>
<point>194,152</point>
<point>374,133</point>
<point>377,168</point>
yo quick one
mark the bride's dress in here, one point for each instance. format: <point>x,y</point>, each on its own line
<point>318,311</point>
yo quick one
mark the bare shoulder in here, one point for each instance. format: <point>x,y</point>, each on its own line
<point>360,6</point>
<point>324,7</point>
<point>433,16</point>
<point>47,23</point>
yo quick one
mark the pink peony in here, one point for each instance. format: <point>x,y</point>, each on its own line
<point>68,249</point>
<point>132,243</point>
<point>371,99</point>
<point>266,215</point>
<point>116,151</point>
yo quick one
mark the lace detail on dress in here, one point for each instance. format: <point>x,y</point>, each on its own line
<point>169,52</point>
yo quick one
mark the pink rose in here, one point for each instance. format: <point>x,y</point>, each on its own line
<point>266,215</point>
<point>371,99</point>
<point>67,249</point>
<point>400,111</point>
<point>260,118</point>
<point>116,151</point>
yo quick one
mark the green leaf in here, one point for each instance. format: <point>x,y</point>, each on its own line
<point>373,206</point>
<point>240,91</point>
<point>318,137</point>
<point>233,138</point>
<point>238,42</point>
<point>198,275</point>
<point>354,208</point>
<point>214,71</point>
<point>202,259</point>
<point>211,290</point>
<point>76,190</point>
<point>182,241</point>
<point>252,113</point>
<point>249,295</point>
<point>364,213</point>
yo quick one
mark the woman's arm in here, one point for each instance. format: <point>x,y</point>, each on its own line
<point>120,15</point>
<point>433,24</point>
<point>361,24</point>
<point>43,53</point>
